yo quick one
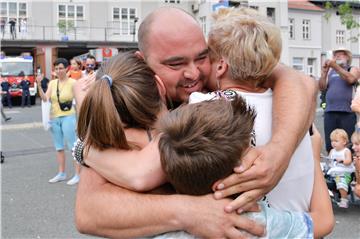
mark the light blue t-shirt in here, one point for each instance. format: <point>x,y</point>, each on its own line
<point>279,224</point>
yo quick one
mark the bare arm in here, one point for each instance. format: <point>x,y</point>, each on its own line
<point>320,205</point>
<point>323,78</point>
<point>294,94</point>
<point>80,88</point>
<point>139,171</point>
<point>44,96</point>
<point>104,209</point>
<point>355,103</point>
<point>349,76</point>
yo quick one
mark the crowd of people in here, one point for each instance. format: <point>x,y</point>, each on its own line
<point>199,133</point>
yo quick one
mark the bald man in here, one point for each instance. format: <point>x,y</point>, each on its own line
<point>173,45</point>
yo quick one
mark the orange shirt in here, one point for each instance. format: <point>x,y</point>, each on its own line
<point>75,74</point>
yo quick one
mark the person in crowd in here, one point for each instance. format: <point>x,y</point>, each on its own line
<point>63,118</point>
<point>355,139</point>
<point>2,26</point>
<point>25,86</point>
<point>184,69</point>
<point>338,78</point>
<point>44,83</point>
<point>12,23</point>
<point>90,65</point>
<point>3,115</point>
<point>355,107</point>
<point>342,166</point>
<point>5,86</point>
<point>75,71</point>
<point>23,28</point>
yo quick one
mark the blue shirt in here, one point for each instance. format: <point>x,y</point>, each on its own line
<point>5,86</point>
<point>339,93</point>
<point>25,84</point>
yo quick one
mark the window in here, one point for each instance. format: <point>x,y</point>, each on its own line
<point>13,9</point>
<point>291,28</point>
<point>22,9</point>
<point>80,12</point>
<point>340,37</point>
<point>311,66</point>
<point>68,15</point>
<point>255,7</point>
<point>298,63</point>
<point>203,24</point>
<point>116,14</point>
<point>3,9</point>
<point>172,1</point>
<point>306,29</point>
<point>128,19</point>
<point>270,13</point>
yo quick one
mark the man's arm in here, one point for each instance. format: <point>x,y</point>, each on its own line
<point>349,76</point>
<point>323,78</point>
<point>293,112</point>
<point>104,209</point>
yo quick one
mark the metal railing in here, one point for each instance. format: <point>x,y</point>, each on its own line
<point>34,32</point>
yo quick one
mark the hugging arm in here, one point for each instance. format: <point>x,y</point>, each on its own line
<point>135,170</point>
<point>294,94</point>
<point>104,209</point>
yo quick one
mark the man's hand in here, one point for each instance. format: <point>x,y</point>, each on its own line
<point>259,173</point>
<point>205,218</point>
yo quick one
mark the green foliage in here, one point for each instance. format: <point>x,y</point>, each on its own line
<point>346,15</point>
<point>65,26</point>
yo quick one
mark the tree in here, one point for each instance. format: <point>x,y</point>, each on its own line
<point>65,26</point>
<point>345,11</point>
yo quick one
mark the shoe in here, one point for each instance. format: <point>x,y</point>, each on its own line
<point>74,180</point>
<point>344,203</point>
<point>7,119</point>
<point>59,177</point>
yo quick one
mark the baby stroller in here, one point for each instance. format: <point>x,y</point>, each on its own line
<point>326,165</point>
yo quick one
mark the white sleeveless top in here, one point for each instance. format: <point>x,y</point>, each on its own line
<point>294,190</point>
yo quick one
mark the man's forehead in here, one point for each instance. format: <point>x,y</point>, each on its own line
<point>180,57</point>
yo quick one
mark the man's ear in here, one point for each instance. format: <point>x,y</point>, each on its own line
<point>140,55</point>
<point>221,68</point>
<point>161,87</point>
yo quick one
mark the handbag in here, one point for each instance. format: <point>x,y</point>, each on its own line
<point>64,106</point>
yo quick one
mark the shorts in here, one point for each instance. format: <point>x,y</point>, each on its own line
<point>63,129</point>
<point>343,181</point>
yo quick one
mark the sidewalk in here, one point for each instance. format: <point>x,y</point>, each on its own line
<point>32,207</point>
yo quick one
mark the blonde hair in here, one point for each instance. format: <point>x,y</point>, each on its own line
<point>339,134</point>
<point>132,100</point>
<point>355,137</point>
<point>248,41</point>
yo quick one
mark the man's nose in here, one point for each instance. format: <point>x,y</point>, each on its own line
<point>192,72</point>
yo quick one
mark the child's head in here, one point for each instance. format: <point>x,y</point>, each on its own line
<point>355,140</point>
<point>124,95</point>
<point>339,138</point>
<point>202,143</point>
<point>248,42</point>
<point>75,64</point>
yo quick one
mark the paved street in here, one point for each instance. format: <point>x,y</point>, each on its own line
<point>33,208</point>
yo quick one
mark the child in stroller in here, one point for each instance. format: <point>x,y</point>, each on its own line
<point>339,168</point>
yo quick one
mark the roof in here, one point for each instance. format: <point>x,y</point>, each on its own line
<point>303,5</point>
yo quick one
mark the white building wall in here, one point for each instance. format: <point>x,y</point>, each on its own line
<point>309,50</point>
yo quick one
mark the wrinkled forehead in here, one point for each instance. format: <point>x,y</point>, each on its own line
<point>340,53</point>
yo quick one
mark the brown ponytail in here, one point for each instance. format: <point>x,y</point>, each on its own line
<point>131,101</point>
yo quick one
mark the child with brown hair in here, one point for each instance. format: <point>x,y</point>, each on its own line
<point>199,144</point>
<point>342,164</point>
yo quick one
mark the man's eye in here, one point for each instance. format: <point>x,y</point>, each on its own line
<point>178,64</point>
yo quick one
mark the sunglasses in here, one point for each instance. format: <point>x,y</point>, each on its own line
<point>90,65</point>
